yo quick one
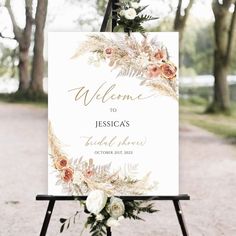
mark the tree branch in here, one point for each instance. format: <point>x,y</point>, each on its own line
<point>180,20</point>
<point>187,10</point>
<point>231,35</point>
<point>215,7</point>
<point>178,15</point>
<point>16,29</point>
<point>29,20</point>
<point>28,13</point>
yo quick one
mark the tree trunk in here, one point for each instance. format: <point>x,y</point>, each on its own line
<point>179,26</point>
<point>221,100</point>
<point>180,29</point>
<point>23,68</point>
<point>23,37</point>
<point>224,37</point>
<point>221,88</point>
<point>180,23</point>
<point>36,85</point>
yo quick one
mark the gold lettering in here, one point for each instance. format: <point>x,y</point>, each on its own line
<point>107,141</point>
<point>87,96</point>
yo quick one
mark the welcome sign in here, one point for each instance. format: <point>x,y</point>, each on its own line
<point>113,113</point>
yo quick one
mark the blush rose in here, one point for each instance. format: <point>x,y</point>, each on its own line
<point>67,174</point>
<point>61,162</point>
<point>108,52</point>
<point>168,70</point>
<point>153,71</point>
<point>161,55</point>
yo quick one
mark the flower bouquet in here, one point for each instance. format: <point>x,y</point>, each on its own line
<point>107,212</point>
<point>129,16</point>
<point>147,60</point>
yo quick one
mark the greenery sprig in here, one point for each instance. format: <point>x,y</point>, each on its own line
<point>106,212</point>
<point>129,16</point>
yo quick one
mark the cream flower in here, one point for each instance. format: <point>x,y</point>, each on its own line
<point>99,217</point>
<point>134,5</point>
<point>111,222</point>
<point>130,14</point>
<point>143,59</point>
<point>96,201</point>
<point>122,12</point>
<point>116,207</point>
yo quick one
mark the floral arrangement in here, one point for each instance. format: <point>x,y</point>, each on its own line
<point>107,212</point>
<point>148,59</point>
<point>80,177</point>
<point>129,17</point>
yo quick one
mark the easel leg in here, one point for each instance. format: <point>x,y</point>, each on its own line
<point>108,231</point>
<point>180,216</point>
<point>114,7</point>
<point>47,218</point>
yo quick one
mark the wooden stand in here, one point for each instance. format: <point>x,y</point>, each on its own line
<point>52,199</point>
<point>175,199</point>
<point>111,6</point>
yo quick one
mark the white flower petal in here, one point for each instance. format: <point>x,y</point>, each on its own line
<point>121,218</point>
<point>99,217</point>
<point>116,207</point>
<point>96,201</point>
<point>134,5</point>
<point>130,14</point>
<point>122,12</point>
<point>111,222</point>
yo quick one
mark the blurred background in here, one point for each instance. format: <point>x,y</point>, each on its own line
<point>207,86</point>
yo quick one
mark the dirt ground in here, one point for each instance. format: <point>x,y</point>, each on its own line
<point>207,167</point>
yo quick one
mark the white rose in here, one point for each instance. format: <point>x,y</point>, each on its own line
<point>121,218</point>
<point>134,5</point>
<point>111,222</point>
<point>116,207</point>
<point>96,201</point>
<point>99,217</point>
<point>130,14</point>
<point>122,12</point>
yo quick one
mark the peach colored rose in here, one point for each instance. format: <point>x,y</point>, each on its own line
<point>108,52</point>
<point>67,174</point>
<point>61,162</point>
<point>153,71</point>
<point>168,70</point>
<point>161,55</point>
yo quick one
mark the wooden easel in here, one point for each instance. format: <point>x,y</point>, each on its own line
<point>111,6</point>
<point>174,199</point>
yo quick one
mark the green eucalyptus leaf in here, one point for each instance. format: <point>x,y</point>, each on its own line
<point>118,28</point>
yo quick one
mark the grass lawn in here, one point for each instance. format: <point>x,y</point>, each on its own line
<point>9,98</point>
<point>224,125</point>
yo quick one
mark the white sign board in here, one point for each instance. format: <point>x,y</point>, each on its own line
<point>113,113</point>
